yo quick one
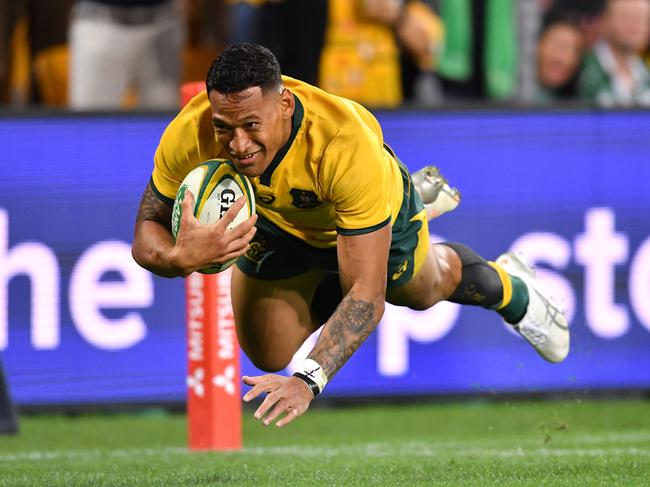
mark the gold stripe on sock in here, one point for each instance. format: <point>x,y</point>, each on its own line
<point>506,282</point>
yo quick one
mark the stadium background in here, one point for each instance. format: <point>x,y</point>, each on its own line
<point>82,324</point>
<point>93,347</point>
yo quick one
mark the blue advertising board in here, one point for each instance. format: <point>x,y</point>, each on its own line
<point>81,323</point>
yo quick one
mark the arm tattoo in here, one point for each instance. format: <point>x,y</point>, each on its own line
<point>344,332</point>
<point>151,208</point>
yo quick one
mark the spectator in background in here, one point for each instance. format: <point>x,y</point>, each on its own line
<point>361,58</point>
<point>589,14</point>
<point>420,38</point>
<point>117,45</point>
<point>646,53</point>
<point>489,49</point>
<point>8,20</point>
<point>46,25</point>
<point>559,55</point>
<point>295,31</point>
<point>208,23</point>
<point>208,31</point>
<point>614,73</point>
<point>244,15</point>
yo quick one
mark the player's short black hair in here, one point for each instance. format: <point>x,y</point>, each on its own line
<point>243,66</point>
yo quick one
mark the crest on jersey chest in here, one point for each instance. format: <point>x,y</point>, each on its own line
<point>304,199</point>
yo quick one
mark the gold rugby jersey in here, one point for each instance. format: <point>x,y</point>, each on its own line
<point>333,175</point>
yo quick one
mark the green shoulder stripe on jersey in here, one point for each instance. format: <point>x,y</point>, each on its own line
<point>362,231</point>
<point>161,197</point>
<point>298,114</point>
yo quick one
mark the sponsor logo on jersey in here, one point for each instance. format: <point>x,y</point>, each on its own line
<point>400,270</point>
<point>257,251</point>
<point>266,198</point>
<point>304,199</point>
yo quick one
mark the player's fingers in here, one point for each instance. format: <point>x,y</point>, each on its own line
<point>239,245</point>
<point>251,380</point>
<point>248,236</point>
<point>260,385</point>
<point>279,408</point>
<point>247,224</point>
<point>292,413</point>
<point>268,402</point>
<point>187,205</point>
<point>233,255</point>
<point>244,227</point>
<point>252,394</point>
<point>232,212</point>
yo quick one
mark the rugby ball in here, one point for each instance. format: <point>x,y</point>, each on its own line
<point>216,185</point>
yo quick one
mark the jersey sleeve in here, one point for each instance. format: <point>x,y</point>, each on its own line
<point>355,178</point>
<point>186,142</point>
<point>172,159</point>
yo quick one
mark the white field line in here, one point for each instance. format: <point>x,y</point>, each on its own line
<point>589,438</point>
<point>87,454</point>
<point>568,439</point>
<point>624,447</point>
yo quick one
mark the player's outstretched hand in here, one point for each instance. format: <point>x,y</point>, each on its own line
<point>198,246</point>
<point>286,398</point>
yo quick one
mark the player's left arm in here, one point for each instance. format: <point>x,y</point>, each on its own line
<point>363,260</point>
<point>363,212</point>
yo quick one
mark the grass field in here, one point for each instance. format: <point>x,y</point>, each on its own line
<point>579,443</point>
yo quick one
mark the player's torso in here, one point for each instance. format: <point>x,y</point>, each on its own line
<point>295,192</point>
<point>292,198</point>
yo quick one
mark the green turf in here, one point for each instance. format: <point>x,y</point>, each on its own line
<point>473,443</point>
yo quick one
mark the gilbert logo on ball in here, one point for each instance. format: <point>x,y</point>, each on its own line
<point>216,185</point>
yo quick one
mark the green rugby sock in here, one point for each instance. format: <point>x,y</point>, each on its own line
<point>488,285</point>
<point>514,310</point>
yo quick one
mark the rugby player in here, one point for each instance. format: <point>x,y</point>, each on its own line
<point>337,211</point>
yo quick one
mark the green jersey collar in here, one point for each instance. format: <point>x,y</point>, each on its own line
<point>298,115</point>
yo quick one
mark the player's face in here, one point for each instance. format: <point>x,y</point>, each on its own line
<point>252,126</point>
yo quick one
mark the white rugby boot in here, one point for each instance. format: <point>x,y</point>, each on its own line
<point>544,325</point>
<point>437,195</point>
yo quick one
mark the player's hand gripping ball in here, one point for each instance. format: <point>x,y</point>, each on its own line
<point>216,185</point>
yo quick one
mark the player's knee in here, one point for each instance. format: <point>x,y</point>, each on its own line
<point>442,278</point>
<point>478,283</point>
<point>269,363</point>
<point>416,298</point>
<point>422,303</point>
<point>447,272</point>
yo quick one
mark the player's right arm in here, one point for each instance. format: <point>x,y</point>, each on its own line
<point>187,140</point>
<point>196,245</point>
<point>152,242</point>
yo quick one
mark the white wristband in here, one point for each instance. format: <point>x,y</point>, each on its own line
<point>315,372</point>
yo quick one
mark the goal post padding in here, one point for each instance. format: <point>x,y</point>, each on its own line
<point>214,405</point>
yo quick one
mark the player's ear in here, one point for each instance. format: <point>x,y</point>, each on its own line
<point>287,103</point>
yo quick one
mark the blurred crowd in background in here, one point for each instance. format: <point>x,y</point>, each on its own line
<point>135,54</point>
